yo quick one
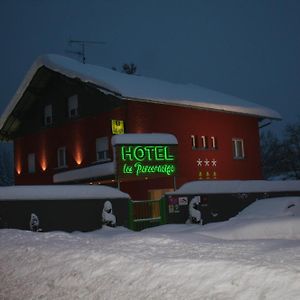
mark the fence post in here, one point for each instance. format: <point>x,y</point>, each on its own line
<point>163,215</point>
<point>130,215</point>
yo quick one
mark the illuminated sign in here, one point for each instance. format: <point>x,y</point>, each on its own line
<point>117,126</point>
<point>146,160</point>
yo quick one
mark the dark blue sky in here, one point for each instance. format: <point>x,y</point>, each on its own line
<point>249,48</point>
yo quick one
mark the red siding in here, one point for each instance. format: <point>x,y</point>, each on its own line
<point>79,138</point>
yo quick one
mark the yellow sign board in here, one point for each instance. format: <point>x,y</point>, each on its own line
<point>117,126</point>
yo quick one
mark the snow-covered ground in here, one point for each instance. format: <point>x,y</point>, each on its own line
<point>252,256</point>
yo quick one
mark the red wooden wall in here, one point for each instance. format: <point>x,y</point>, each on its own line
<point>79,136</point>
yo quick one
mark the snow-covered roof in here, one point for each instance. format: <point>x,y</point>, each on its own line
<point>236,186</point>
<point>140,88</point>
<point>101,170</point>
<point>59,192</point>
<point>144,139</point>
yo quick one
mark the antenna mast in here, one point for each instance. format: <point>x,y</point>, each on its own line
<point>83,44</point>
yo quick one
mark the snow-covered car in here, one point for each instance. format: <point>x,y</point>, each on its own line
<point>271,218</point>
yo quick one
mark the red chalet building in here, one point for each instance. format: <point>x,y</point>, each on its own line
<point>77,123</point>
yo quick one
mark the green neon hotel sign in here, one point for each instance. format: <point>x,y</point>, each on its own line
<point>147,160</point>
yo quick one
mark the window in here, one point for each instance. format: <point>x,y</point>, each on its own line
<point>102,148</point>
<point>61,157</point>
<point>31,163</point>
<point>203,141</point>
<point>73,106</point>
<point>213,142</point>
<point>194,142</point>
<point>238,148</point>
<point>48,114</point>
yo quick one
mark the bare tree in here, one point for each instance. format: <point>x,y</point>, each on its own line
<point>6,164</point>
<point>292,149</point>
<point>271,154</point>
<point>129,68</point>
<point>281,157</point>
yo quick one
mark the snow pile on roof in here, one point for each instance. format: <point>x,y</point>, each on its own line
<point>140,88</point>
<point>101,170</point>
<point>144,139</point>
<point>236,186</point>
<point>59,192</point>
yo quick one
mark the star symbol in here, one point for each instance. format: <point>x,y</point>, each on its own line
<point>214,163</point>
<point>199,162</point>
<point>206,162</point>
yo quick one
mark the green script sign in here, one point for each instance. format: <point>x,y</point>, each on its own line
<point>146,160</point>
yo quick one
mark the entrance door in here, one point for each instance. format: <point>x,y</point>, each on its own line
<point>157,194</point>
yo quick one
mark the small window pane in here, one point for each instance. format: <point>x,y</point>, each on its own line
<point>73,106</point>
<point>102,148</point>
<point>61,157</point>
<point>48,114</point>
<point>31,163</point>
<point>238,148</point>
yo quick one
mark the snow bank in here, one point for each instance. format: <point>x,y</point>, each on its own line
<point>272,218</point>
<point>58,192</point>
<point>271,207</point>
<point>169,262</point>
<point>236,186</point>
<point>139,88</point>
<point>272,228</point>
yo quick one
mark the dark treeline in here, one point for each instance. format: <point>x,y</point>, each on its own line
<point>281,156</point>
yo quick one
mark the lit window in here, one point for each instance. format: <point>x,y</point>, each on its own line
<point>238,148</point>
<point>102,148</point>
<point>61,157</point>
<point>48,114</point>
<point>73,106</point>
<point>31,163</point>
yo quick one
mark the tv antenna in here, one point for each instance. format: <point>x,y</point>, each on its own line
<point>83,45</point>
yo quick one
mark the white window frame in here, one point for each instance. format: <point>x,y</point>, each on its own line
<point>31,163</point>
<point>73,106</point>
<point>213,142</point>
<point>61,160</point>
<point>48,116</point>
<point>194,141</point>
<point>102,148</point>
<point>238,151</point>
<point>204,141</point>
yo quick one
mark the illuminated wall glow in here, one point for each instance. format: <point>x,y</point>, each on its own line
<point>18,158</point>
<point>18,168</point>
<point>77,149</point>
<point>78,158</point>
<point>77,154</point>
<point>44,164</point>
<point>43,153</point>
